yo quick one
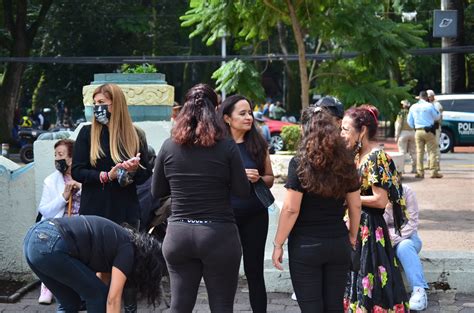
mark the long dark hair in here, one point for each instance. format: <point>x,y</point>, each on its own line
<point>197,123</point>
<point>148,267</point>
<point>254,142</point>
<point>326,166</point>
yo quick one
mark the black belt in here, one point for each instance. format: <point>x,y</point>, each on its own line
<point>420,128</point>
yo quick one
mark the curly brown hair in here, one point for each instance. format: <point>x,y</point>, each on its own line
<point>326,167</point>
<point>197,123</point>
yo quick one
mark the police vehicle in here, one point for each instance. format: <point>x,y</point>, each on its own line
<point>457,128</point>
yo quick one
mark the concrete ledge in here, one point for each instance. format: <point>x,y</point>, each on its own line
<point>454,268</point>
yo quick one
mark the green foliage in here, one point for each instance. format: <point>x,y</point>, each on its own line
<point>349,26</point>
<point>355,84</point>
<point>291,135</point>
<point>138,68</point>
<point>237,76</point>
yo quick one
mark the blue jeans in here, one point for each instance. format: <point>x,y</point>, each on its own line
<point>68,278</point>
<point>407,252</point>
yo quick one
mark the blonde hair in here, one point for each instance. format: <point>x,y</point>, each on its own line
<point>123,137</point>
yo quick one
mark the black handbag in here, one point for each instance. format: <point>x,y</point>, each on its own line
<point>263,193</point>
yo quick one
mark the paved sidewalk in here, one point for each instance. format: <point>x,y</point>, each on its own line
<point>439,301</point>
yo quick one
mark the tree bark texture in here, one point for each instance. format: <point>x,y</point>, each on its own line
<point>301,55</point>
<point>16,23</point>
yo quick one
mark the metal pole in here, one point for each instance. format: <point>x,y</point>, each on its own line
<point>446,84</point>
<point>224,54</point>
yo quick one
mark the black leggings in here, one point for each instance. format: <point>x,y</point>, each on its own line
<point>318,269</point>
<point>194,251</point>
<point>253,235</point>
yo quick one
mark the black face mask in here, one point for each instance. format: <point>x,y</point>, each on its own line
<point>61,166</point>
<point>102,114</point>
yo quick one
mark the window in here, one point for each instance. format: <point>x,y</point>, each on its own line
<point>463,105</point>
<point>447,104</point>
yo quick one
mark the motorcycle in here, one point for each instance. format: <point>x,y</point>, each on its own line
<point>26,138</point>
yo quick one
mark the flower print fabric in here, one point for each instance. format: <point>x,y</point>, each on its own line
<point>378,286</point>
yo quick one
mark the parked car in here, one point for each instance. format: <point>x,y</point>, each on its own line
<point>457,128</point>
<point>275,127</point>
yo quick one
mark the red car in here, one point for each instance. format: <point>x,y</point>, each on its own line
<point>275,127</point>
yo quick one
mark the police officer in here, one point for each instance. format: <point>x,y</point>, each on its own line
<point>422,117</point>
<point>405,135</point>
<point>439,107</point>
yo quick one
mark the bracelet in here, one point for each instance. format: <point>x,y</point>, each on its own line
<point>104,177</point>
<point>275,245</point>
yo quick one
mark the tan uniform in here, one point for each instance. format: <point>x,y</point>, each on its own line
<point>405,138</point>
<point>438,107</point>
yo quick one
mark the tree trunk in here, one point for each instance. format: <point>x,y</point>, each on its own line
<point>301,55</point>
<point>9,95</point>
<point>22,32</point>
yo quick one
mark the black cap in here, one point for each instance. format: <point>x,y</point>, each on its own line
<point>332,105</point>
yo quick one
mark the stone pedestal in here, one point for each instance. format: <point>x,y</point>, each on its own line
<point>149,97</point>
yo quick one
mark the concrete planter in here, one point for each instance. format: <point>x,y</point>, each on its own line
<point>149,97</point>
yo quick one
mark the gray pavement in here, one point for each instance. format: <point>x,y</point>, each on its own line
<point>438,301</point>
<point>446,219</point>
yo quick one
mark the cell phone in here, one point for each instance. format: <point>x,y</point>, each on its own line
<point>135,159</point>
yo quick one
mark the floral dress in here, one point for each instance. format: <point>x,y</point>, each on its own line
<point>378,285</point>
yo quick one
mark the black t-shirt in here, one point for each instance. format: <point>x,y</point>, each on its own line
<point>319,216</point>
<point>97,242</point>
<point>200,179</point>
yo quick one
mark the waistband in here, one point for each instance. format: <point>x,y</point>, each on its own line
<point>192,221</point>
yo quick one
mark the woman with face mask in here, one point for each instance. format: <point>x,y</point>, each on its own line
<point>61,194</point>
<point>110,158</point>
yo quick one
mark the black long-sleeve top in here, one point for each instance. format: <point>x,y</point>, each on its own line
<point>200,180</point>
<point>118,204</point>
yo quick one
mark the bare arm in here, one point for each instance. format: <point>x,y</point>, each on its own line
<point>114,298</point>
<point>288,215</point>
<point>354,205</point>
<point>378,200</point>
<point>268,175</point>
<point>253,175</point>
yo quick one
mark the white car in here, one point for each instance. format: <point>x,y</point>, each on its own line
<point>457,128</point>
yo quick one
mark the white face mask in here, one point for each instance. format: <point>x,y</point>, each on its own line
<point>102,115</point>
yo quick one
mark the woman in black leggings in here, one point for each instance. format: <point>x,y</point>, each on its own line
<point>201,168</point>
<point>250,214</point>
<point>321,177</point>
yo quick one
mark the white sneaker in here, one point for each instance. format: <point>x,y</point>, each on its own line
<point>46,296</point>
<point>293,296</point>
<point>418,299</point>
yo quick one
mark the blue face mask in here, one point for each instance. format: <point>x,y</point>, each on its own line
<point>102,114</point>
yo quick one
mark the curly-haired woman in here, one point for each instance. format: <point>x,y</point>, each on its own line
<point>201,168</point>
<point>321,177</point>
<point>378,285</point>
